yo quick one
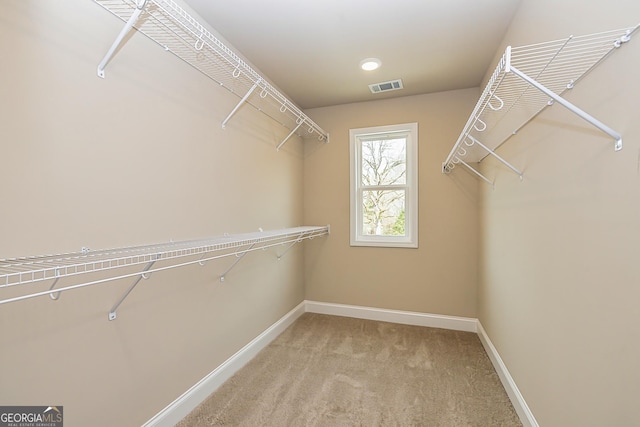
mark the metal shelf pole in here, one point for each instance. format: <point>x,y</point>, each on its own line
<point>571,107</point>
<point>242,101</point>
<point>290,246</point>
<point>238,259</point>
<point>112,312</point>
<point>494,154</point>
<point>289,136</point>
<point>125,30</point>
<point>463,163</point>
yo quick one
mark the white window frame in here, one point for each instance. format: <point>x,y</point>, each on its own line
<point>410,240</point>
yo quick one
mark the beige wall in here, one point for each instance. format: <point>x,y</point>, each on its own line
<point>559,260</point>
<point>438,277</point>
<point>140,158</point>
<point>136,158</point>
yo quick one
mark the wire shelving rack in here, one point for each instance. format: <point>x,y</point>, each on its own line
<point>526,81</point>
<point>21,272</point>
<point>170,26</point>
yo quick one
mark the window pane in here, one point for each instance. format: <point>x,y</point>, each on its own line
<point>384,161</point>
<point>383,213</point>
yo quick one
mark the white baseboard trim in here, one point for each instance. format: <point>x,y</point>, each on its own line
<point>189,400</point>
<point>455,323</point>
<point>519,404</point>
<point>183,405</point>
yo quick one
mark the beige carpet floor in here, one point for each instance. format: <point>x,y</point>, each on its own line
<point>337,371</point>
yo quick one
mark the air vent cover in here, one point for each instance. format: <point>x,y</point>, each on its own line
<point>386,86</point>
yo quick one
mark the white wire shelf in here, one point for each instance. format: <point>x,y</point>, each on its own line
<point>170,26</point>
<point>18,272</point>
<point>527,80</point>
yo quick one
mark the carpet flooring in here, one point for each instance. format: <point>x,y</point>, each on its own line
<point>338,371</point>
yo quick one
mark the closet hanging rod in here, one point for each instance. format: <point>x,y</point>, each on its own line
<point>170,26</point>
<point>526,81</point>
<point>17,272</point>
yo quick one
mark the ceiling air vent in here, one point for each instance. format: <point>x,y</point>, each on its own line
<point>386,86</point>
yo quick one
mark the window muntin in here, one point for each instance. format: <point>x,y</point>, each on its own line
<point>384,195</point>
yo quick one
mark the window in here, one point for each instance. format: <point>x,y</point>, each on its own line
<point>384,186</point>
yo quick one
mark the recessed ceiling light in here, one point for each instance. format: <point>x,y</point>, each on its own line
<point>370,64</point>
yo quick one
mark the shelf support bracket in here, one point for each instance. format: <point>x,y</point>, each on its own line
<point>290,135</point>
<point>112,312</point>
<point>238,258</point>
<point>494,154</point>
<point>123,33</point>
<point>597,123</point>
<point>242,101</point>
<point>298,240</point>
<point>465,164</point>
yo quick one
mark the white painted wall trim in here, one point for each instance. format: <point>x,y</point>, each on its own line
<point>455,323</point>
<point>519,404</point>
<point>183,405</point>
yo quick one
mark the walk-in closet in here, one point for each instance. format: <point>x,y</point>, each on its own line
<point>319,213</point>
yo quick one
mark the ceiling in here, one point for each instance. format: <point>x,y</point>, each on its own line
<point>312,49</point>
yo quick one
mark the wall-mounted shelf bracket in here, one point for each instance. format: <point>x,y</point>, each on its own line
<point>526,81</point>
<point>123,33</point>
<point>300,122</point>
<point>242,101</point>
<point>571,107</point>
<point>292,244</point>
<point>239,257</point>
<point>448,167</point>
<point>143,275</point>
<point>471,141</point>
